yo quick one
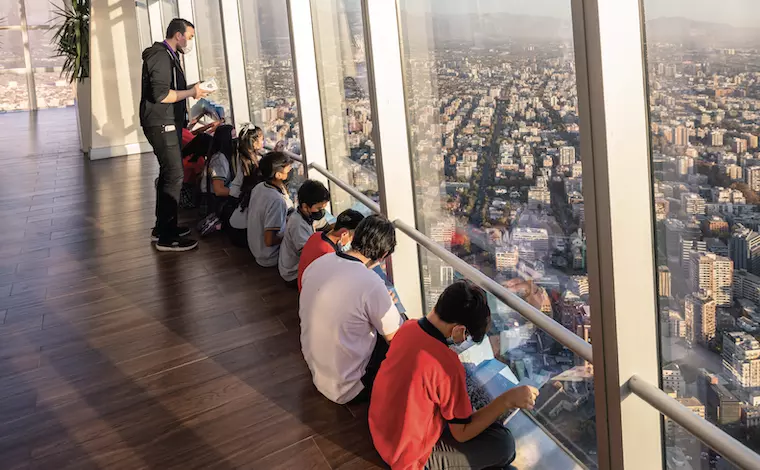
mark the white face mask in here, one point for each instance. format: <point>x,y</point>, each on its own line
<point>188,48</point>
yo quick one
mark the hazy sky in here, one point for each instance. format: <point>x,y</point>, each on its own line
<point>733,12</point>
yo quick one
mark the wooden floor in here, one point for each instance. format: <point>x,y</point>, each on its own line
<point>115,356</point>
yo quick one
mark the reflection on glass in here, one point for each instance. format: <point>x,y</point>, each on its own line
<point>343,88</point>
<point>269,71</point>
<point>209,42</point>
<point>703,69</point>
<point>42,50</point>
<point>493,124</point>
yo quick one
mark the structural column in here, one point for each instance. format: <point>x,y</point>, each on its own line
<point>618,201</point>
<point>394,169</point>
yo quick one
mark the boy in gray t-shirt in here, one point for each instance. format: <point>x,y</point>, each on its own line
<point>268,209</point>
<point>313,196</point>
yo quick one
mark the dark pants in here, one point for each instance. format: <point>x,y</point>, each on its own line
<point>493,448</point>
<point>166,146</point>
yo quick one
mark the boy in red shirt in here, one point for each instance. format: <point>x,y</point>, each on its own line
<point>322,243</point>
<point>420,415</point>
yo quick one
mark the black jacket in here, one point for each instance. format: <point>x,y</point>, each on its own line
<point>161,72</point>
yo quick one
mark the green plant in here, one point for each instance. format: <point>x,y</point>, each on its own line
<point>72,38</point>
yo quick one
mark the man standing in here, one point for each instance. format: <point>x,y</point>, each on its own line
<point>163,114</point>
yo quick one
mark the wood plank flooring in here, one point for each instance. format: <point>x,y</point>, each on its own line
<point>115,356</point>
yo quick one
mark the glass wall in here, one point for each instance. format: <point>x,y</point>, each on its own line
<point>269,71</point>
<point>51,90</point>
<point>344,93</point>
<point>14,93</point>
<point>209,41</point>
<point>494,136</point>
<point>703,64</point>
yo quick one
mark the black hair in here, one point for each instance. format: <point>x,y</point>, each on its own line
<point>223,142</point>
<point>349,219</point>
<point>249,161</point>
<point>198,147</point>
<point>178,25</point>
<point>273,162</point>
<point>375,237</point>
<point>312,192</point>
<point>466,304</point>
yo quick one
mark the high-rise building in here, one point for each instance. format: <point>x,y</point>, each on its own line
<point>672,430</point>
<point>744,249</point>
<point>710,272</point>
<point>539,197</point>
<point>716,138</point>
<point>752,141</point>
<point>507,259</point>
<point>739,146</point>
<point>663,278</point>
<point>752,176</point>
<point>693,204</point>
<point>566,156</point>
<point>672,379</point>
<point>741,359</point>
<point>733,171</point>
<point>722,405</point>
<point>682,136</point>
<point>700,310</point>
<point>746,286</point>
<point>685,165</point>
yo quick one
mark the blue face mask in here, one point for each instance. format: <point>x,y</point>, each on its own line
<point>346,247</point>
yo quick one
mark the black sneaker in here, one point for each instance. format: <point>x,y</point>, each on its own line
<point>177,245</point>
<point>181,232</point>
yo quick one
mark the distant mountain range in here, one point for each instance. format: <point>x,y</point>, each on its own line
<point>499,27</point>
<point>700,34</point>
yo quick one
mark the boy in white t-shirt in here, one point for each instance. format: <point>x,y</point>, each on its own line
<point>268,209</point>
<point>313,196</point>
<point>347,316</point>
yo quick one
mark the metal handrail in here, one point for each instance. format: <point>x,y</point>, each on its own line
<point>538,318</point>
<point>531,313</point>
<point>715,438</point>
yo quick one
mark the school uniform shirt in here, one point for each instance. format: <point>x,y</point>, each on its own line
<point>420,386</point>
<point>219,168</point>
<point>318,244</point>
<point>297,233</point>
<point>343,307</point>
<point>268,209</point>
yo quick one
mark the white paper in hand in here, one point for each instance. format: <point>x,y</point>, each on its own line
<point>209,85</point>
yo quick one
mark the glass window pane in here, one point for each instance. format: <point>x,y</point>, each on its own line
<point>169,11</point>
<point>269,71</point>
<point>344,93</point>
<point>209,41</point>
<point>14,94</point>
<point>42,49</point>
<point>9,13</point>
<point>143,24</point>
<point>53,91</point>
<point>41,12</point>
<point>703,67</point>
<point>494,136</point>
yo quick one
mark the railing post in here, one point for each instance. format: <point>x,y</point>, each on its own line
<point>618,202</point>
<point>394,170</point>
<point>307,87</point>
